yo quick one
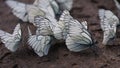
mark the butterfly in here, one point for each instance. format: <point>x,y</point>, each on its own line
<point>27,12</point>
<point>75,34</point>
<point>60,31</point>
<point>43,26</point>
<point>39,43</point>
<point>11,41</point>
<point>108,22</point>
<point>47,28</point>
<point>45,33</point>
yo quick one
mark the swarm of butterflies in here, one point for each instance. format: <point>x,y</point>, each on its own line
<point>43,15</point>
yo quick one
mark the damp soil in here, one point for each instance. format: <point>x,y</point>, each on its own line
<point>59,56</point>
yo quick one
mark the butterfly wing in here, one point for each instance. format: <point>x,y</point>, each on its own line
<point>43,26</point>
<point>78,38</point>
<point>61,31</point>
<point>11,41</point>
<point>17,31</point>
<point>18,9</point>
<point>45,6</point>
<point>54,6</point>
<point>58,31</point>
<point>34,11</point>
<point>107,18</point>
<point>112,18</point>
<point>4,36</point>
<point>39,43</point>
<point>102,18</point>
<point>108,22</point>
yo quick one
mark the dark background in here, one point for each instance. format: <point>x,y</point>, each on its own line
<point>59,56</point>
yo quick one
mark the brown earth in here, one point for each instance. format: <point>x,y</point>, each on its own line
<point>59,56</point>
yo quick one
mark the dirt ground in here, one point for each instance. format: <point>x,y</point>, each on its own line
<point>59,56</point>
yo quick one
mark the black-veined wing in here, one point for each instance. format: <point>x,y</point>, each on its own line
<point>108,22</point>
<point>45,6</point>
<point>34,11</point>
<point>39,43</point>
<point>77,38</point>
<point>11,41</point>
<point>18,9</point>
<point>62,25</point>
<point>44,26</point>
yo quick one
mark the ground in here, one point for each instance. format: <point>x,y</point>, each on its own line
<point>59,56</point>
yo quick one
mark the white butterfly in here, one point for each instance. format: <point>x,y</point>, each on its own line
<point>108,22</point>
<point>27,12</point>
<point>43,26</point>
<point>44,34</point>
<point>46,25</point>
<point>11,41</point>
<point>60,31</point>
<point>39,43</point>
<point>65,4</point>
<point>75,34</point>
<point>117,4</point>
